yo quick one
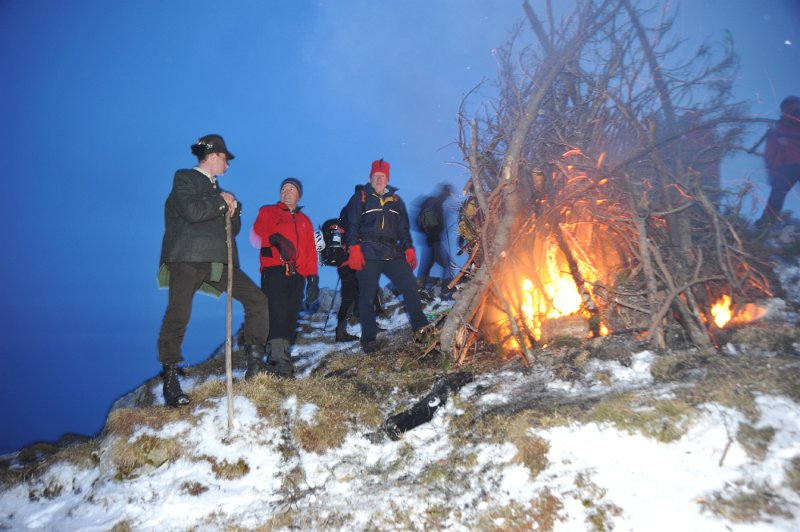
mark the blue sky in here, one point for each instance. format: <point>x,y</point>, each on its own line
<point>101,100</point>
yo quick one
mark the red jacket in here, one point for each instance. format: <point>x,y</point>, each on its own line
<point>295,226</point>
<point>783,145</point>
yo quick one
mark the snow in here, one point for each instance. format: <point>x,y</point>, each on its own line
<point>633,482</point>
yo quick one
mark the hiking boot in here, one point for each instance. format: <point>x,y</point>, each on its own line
<point>370,346</point>
<point>341,333</point>
<point>280,363</point>
<point>173,395</point>
<point>255,361</point>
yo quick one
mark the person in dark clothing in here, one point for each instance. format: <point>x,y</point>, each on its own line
<point>288,264</point>
<point>782,158</point>
<point>431,222</point>
<point>349,288</point>
<point>349,292</point>
<point>379,242</point>
<point>194,256</point>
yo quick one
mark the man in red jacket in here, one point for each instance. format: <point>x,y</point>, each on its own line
<point>288,263</point>
<point>782,158</point>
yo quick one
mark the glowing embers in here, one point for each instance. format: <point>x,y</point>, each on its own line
<point>550,304</point>
<point>723,314</point>
<point>555,296</point>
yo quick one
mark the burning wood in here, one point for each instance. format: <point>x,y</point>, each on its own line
<point>723,315</point>
<point>599,202</point>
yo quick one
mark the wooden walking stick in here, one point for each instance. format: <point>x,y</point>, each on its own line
<point>229,322</point>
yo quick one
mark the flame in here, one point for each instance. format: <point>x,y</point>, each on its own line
<point>537,286</point>
<point>721,311</point>
<point>555,297</point>
<point>723,314</point>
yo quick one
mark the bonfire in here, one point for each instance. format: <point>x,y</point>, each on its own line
<point>596,175</point>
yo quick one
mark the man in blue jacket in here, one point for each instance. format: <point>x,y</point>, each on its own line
<point>379,242</point>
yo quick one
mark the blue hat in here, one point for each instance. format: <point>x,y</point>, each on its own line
<point>292,181</point>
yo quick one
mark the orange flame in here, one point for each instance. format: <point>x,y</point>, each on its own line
<point>555,296</point>
<point>723,314</point>
<point>721,311</point>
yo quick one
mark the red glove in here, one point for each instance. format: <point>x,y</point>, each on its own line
<point>411,258</point>
<point>356,260</point>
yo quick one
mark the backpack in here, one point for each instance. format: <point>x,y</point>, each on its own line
<point>333,254</point>
<point>427,220</point>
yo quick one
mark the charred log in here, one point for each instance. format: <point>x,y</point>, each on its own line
<point>424,409</point>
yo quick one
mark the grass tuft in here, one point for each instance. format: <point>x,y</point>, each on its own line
<point>146,450</point>
<point>664,421</point>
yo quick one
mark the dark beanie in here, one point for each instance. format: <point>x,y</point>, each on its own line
<point>293,181</point>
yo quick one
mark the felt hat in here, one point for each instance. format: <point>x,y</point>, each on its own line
<point>211,144</point>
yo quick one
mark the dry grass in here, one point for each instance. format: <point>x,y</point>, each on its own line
<point>793,474</point>
<point>193,488</point>
<point>146,450</point>
<point>531,449</point>
<point>664,421</point>
<point>734,382</point>
<point>755,441</point>
<point>677,367</point>
<point>747,504</point>
<point>125,422</point>
<point>229,471</point>
<point>770,338</point>
<point>342,405</point>
<point>539,514</point>
<point>79,454</point>
<point>122,526</point>
<point>359,392</point>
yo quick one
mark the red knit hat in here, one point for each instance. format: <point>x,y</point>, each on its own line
<point>380,166</point>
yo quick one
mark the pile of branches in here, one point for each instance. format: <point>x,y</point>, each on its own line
<point>602,124</point>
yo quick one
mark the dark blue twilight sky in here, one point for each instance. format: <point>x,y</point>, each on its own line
<point>101,99</point>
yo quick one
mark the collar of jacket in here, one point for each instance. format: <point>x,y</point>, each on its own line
<point>210,177</point>
<point>389,190</point>
<point>281,205</point>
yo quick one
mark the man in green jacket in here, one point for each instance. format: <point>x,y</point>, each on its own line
<point>194,256</point>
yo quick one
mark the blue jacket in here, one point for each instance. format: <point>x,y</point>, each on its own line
<point>378,223</point>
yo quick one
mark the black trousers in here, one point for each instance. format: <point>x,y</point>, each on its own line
<point>349,291</point>
<point>185,278</point>
<point>399,272</point>
<point>782,182</point>
<point>285,296</point>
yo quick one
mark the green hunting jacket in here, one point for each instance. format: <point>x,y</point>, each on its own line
<point>194,224</point>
